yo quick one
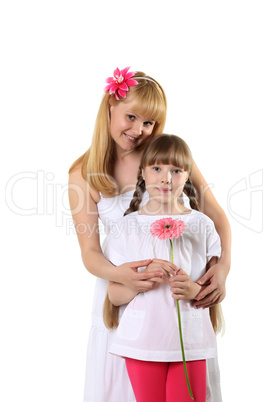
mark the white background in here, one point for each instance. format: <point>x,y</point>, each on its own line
<point>211,59</point>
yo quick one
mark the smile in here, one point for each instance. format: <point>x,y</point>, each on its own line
<point>131,139</point>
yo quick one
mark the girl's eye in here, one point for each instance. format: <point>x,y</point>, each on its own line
<point>176,171</point>
<point>156,169</point>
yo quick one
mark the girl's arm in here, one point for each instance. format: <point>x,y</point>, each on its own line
<point>119,294</point>
<point>216,275</point>
<point>182,286</point>
<point>85,216</point>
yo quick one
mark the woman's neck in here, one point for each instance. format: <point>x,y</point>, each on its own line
<point>122,155</point>
<point>125,171</point>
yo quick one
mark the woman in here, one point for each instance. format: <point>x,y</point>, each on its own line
<point>101,185</point>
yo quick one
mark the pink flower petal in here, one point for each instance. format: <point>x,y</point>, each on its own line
<point>107,88</point>
<point>123,86</point>
<point>124,71</point>
<point>167,228</point>
<point>113,87</point>
<point>109,79</point>
<point>117,72</point>
<point>131,83</point>
<point>121,93</point>
<point>130,74</point>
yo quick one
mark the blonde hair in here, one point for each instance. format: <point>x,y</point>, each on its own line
<point>96,164</point>
<point>171,150</point>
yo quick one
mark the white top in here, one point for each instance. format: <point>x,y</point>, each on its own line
<point>111,209</point>
<point>148,328</point>
<point>111,212</point>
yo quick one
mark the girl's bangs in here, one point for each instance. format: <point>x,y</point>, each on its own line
<point>165,152</point>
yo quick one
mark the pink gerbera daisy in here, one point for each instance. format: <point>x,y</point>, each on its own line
<point>121,81</point>
<point>167,228</point>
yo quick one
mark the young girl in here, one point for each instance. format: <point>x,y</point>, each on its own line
<point>101,186</point>
<point>148,335</point>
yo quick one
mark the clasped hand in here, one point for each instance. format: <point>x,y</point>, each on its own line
<point>181,285</point>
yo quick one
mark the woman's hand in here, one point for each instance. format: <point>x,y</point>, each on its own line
<point>138,281</point>
<point>165,267</point>
<point>182,286</point>
<point>214,291</point>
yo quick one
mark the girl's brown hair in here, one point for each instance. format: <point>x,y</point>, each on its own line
<point>97,163</point>
<point>165,149</point>
<point>170,150</point>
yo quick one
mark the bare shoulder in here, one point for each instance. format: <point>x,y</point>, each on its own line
<point>83,204</point>
<point>78,184</point>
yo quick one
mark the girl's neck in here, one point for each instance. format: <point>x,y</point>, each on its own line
<point>155,208</point>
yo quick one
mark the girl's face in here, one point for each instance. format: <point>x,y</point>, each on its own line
<point>128,129</point>
<point>164,183</point>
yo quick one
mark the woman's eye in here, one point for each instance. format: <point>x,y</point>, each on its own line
<point>148,123</point>
<point>131,117</point>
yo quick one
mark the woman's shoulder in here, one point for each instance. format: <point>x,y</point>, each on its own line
<point>75,176</point>
<point>78,183</point>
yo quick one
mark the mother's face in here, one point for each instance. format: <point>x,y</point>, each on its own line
<point>129,129</point>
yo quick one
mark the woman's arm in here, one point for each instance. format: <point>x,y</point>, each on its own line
<point>85,216</point>
<point>120,294</point>
<point>216,275</point>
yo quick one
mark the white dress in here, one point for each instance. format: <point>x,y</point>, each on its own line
<point>106,377</point>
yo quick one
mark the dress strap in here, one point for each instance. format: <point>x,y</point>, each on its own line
<point>101,196</point>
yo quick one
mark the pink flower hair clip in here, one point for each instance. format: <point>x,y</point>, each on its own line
<point>121,81</point>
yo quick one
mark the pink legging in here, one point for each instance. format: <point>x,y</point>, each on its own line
<point>165,382</point>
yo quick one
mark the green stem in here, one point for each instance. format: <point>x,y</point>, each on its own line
<point>180,331</point>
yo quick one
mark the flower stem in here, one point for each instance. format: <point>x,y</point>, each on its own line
<point>180,331</point>
<point>182,351</point>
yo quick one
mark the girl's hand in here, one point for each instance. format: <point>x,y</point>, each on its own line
<point>182,286</point>
<point>138,281</point>
<point>214,292</point>
<point>165,267</point>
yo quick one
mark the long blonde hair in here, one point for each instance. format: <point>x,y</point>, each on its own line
<point>97,162</point>
<point>164,149</point>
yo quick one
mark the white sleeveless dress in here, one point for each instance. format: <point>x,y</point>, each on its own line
<point>106,376</point>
